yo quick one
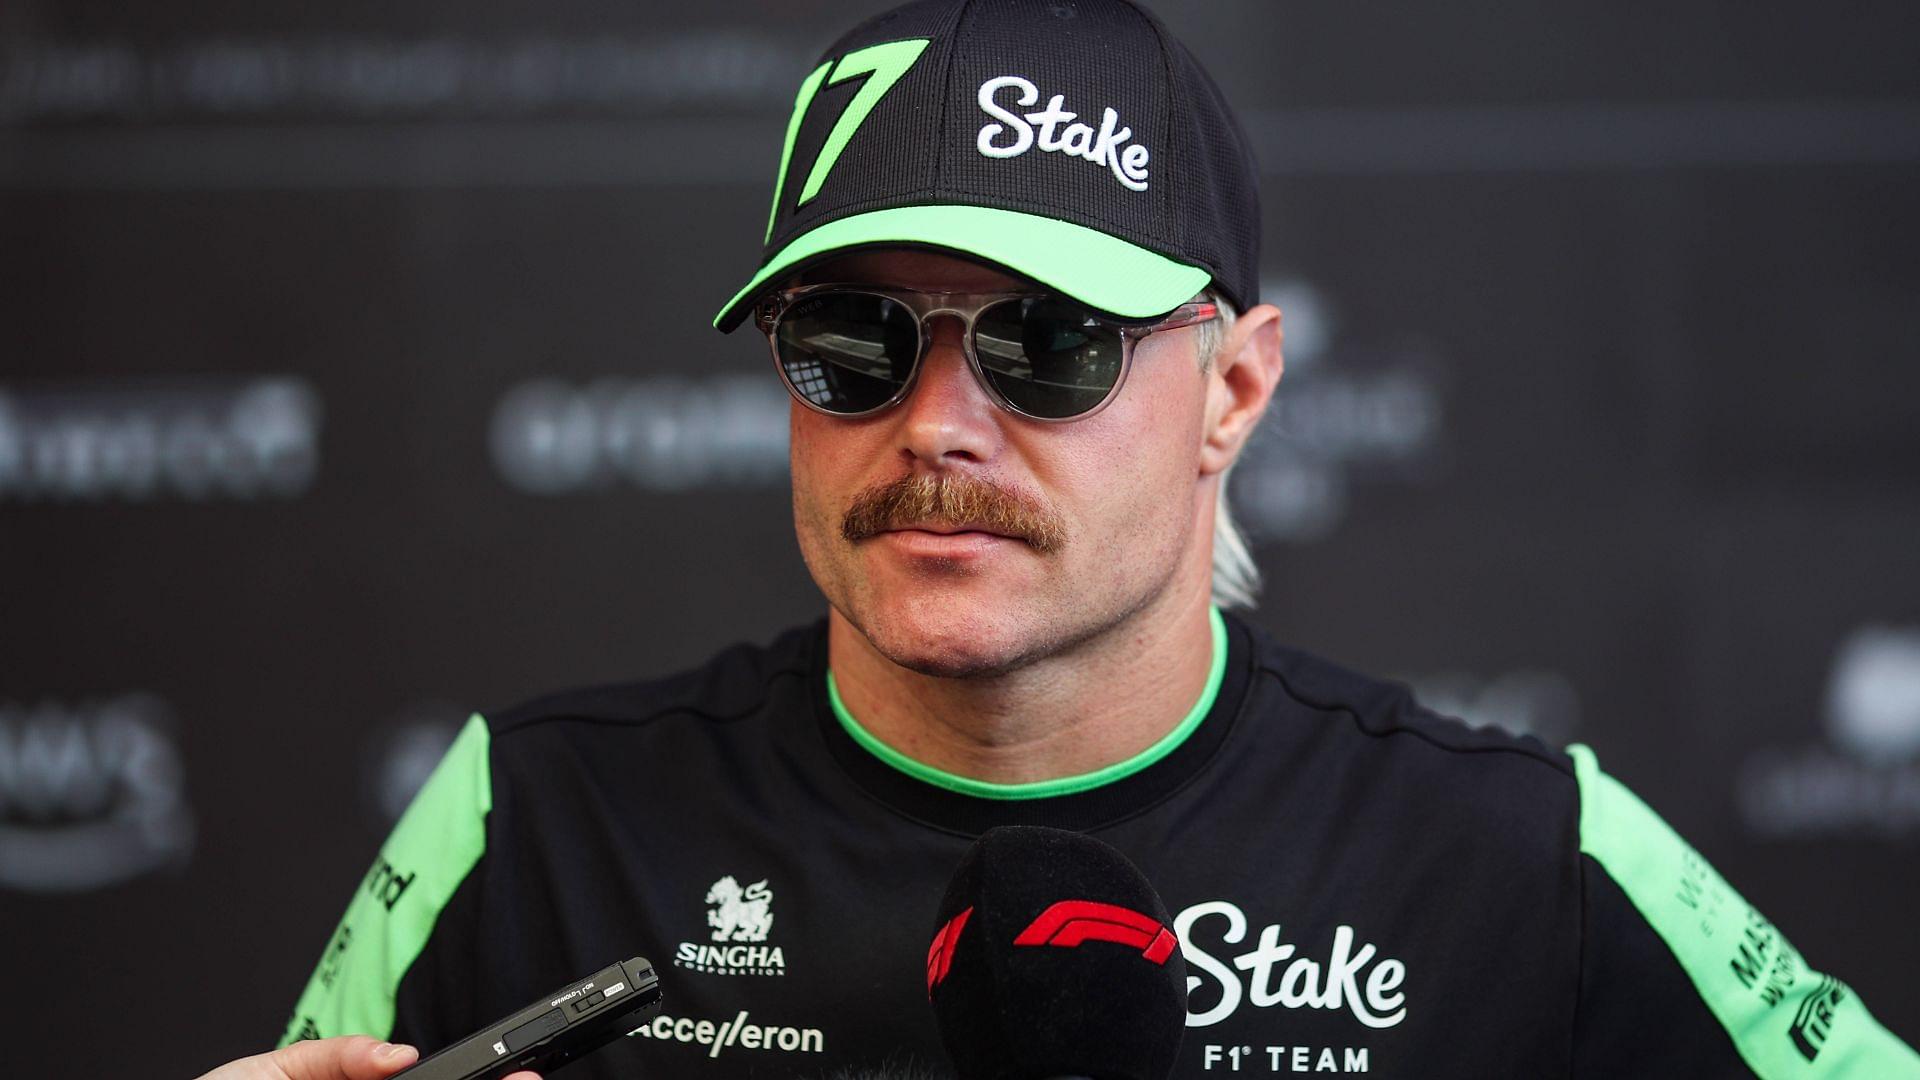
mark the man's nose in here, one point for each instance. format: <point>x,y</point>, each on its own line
<point>948,415</point>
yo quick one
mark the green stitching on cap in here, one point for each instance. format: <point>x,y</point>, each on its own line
<point>1064,785</point>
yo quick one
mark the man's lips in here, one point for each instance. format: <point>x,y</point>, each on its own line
<point>945,542</point>
<point>942,529</point>
<point>951,530</point>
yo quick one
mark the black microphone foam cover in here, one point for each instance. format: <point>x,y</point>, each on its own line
<point>1053,956</point>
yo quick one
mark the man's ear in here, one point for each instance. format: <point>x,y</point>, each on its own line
<point>1241,383</point>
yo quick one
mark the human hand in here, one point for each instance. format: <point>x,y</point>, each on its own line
<point>348,1057</point>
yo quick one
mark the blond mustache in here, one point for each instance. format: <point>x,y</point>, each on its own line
<point>955,500</point>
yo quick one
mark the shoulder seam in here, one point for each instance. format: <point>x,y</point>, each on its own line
<point>1354,715</point>
<point>766,689</point>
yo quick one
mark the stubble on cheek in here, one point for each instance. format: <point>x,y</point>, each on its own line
<point>815,530</point>
<point>809,516</point>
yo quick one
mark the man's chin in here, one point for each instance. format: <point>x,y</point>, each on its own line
<point>952,667</point>
<point>950,638</point>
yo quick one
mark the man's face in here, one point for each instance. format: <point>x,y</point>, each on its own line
<point>1075,527</point>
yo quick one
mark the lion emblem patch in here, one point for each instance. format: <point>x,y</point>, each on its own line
<point>740,914</point>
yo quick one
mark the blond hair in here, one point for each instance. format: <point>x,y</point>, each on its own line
<point>1236,578</point>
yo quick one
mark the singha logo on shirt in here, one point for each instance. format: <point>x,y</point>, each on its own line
<point>740,914</point>
<point>736,914</point>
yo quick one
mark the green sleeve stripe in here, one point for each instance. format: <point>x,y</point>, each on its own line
<point>430,852</point>
<point>1786,1019</point>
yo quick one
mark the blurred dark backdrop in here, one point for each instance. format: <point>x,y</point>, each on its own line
<point>355,371</point>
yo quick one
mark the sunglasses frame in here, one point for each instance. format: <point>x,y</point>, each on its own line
<point>967,307</point>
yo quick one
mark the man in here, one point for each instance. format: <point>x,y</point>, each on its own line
<point>1007,248</point>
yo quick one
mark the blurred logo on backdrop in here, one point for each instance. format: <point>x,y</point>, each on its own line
<point>144,439</point>
<point>1524,701</point>
<point>551,437</point>
<point>92,793</point>
<point>334,76</point>
<point>1347,411</point>
<point>1865,775</point>
<point>402,753</point>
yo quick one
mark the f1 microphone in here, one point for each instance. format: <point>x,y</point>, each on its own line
<point>1052,958</point>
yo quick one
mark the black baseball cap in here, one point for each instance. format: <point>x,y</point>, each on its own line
<point>1075,143</point>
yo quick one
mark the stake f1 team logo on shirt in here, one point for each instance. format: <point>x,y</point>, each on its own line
<point>741,918</point>
<point>1226,971</point>
<point>1358,980</point>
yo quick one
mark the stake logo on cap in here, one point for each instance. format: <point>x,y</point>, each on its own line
<point>1075,143</point>
<point>1108,148</point>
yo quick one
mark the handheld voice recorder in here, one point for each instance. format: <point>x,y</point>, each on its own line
<point>576,1019</point>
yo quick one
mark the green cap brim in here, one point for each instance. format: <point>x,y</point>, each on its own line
<point>1101,271</point>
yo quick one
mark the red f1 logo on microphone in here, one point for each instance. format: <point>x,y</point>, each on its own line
<point>940,955</point>
<point>1070,922</point>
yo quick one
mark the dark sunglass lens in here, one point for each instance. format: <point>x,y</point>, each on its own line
<point>846,352</point>
<point>1049,357</point>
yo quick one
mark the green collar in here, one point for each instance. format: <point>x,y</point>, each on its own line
<point>1063,785</point>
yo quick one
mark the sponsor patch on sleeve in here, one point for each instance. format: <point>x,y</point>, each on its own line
<point>393,911</point>
<point>1786,1019</point>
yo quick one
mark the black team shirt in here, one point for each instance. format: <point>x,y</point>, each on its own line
<point>1359,886</point>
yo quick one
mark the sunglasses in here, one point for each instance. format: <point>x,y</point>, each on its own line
<point>853,350</point>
